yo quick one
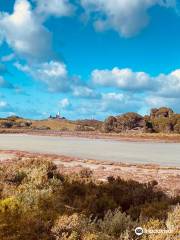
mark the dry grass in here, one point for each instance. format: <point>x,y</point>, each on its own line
<point>55,124</point>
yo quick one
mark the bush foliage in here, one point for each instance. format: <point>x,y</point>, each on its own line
<point>39,203</point>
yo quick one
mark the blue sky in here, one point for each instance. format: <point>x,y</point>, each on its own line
<point>88,58</point>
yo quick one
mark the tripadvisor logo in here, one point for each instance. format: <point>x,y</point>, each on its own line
<point>139,231</point>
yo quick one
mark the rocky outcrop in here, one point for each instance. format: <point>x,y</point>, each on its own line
<point>162,120</point>
<point>161,112</point>
<point>124,123</point>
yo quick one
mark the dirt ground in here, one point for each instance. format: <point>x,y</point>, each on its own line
<point>130,136</point>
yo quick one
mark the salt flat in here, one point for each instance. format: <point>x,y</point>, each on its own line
<point>165,154</point>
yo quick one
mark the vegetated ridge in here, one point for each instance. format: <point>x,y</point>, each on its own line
<point>162,120</point>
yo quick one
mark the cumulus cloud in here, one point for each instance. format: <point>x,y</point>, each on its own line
<point>167,85</point>
<point>156,91</point>
<point>53,74</point>
<point>165,92</point>
<point>127,17</point>
<point>170,84</point>
<point>155,101</point>
<point>24,32</point>
<point>122,78</point>
<point>112,103</point>
<point>57,8</point>
<point>119,102</point>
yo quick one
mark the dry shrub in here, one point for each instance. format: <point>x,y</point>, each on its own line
<point>38,203</point>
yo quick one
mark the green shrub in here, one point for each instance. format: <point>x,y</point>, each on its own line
<point>115,223</point>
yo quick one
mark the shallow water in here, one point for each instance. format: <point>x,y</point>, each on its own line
<point>165,154</point>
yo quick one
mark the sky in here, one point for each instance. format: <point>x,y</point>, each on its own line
<point>88,58</point>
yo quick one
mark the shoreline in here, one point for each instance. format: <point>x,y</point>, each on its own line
<point>127,137</point>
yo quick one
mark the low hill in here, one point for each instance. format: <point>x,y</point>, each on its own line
<point>17,123</point>
<point>161,120</point>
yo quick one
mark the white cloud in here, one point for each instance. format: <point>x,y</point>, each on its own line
<point>127,17</point>
<point>124,79</point>
<point>166,85</point>
<point>64,103</point>
<point>24,31</point>
<point>54,74</point>
<point>119,102</point>
<point>155,101</point>
<point>107,104</point>
<point>23,68</point>
<point>170,84</point>
<point>3,104</point>
<point>57,8</point>
<point>5,107</point>
<point>52,69</point>
<point>85,92</point>
<point>161,90</point>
